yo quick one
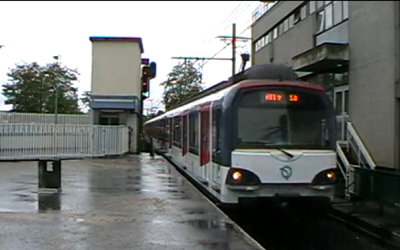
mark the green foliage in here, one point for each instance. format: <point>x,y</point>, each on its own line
<point>182,83</point>
<point>32,88</point>
<point>85,98</point>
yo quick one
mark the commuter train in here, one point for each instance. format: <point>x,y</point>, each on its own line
<point>264,136</point>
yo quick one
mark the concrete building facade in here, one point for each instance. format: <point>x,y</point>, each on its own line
<point>349,47</point>
<point>116,83</point>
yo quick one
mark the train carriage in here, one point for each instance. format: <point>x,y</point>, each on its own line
<point>256,138</point>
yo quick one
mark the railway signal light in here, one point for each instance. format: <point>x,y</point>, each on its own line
<point>148,72</point>
<point>145,84</point>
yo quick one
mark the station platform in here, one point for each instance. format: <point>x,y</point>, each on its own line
<point>136,202</point>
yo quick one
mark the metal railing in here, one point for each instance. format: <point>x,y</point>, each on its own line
<point>6,117</point>
<point>354,147</point>
<point>32,141</point>
<point>347,171</point>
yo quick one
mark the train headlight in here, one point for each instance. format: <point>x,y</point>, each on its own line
<point>237,176</point>
<point>326,177</point>
<point>331,176</point>
<point>242,177</point>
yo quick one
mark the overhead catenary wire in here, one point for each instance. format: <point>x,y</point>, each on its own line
<point>211,37</point>
<point>216,54</point>
<point>233,19</point>
<point>239,9</point>
<point>206,61</point>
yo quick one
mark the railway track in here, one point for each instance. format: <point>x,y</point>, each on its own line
<point>281,228</point>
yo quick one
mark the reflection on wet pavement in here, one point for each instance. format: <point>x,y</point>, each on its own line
<point>131,203</point>
<point>49,202</point>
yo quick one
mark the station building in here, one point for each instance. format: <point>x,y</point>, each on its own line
<point>116,83</point>
<point>349,47</point>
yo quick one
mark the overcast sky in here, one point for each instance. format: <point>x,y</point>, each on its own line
<point>36,31</point>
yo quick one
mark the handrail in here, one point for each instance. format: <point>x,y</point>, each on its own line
<point>343,158</point>
<point>345,168</point>
<point>360,145</point>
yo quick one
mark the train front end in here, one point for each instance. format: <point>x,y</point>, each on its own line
<point>283,144</point>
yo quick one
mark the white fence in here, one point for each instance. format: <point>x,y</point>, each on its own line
<point>5,117</point>
<point>32,141</point>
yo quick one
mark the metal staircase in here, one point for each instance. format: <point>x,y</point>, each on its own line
<point>352,154</point>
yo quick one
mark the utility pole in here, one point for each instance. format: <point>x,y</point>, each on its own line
<point>233,50</point>
<point>56,92</point>
<point>224,38</point>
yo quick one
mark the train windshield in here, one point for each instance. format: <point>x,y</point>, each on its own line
<point>284,118</point>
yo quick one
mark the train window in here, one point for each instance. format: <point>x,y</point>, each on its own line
<point>185,132</point>
<point>177,131</point>
<point>216,116</point>
<point>171,131</point>
<point>301,124</point>
<point>194,133</point>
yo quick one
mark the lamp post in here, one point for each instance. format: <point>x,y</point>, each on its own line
<point>58,57</point>
<point>41,92</point>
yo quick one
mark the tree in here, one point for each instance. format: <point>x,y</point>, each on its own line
<point>85,99</point>
<point>32,88</point>
<point>182,83</point>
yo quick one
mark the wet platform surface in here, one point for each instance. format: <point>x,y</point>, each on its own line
<point>131,203</point>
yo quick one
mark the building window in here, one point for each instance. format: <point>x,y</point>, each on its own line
<point>334,14</point>
<point>291,21</point>
<point>320,4</point>
<point>327,2</point>
<point>280,29</point>
<point>320,21</point>
<point>296,17</point>
<point>275,33</point>
<point>268,38</point>
<point>312,6</point>
<point>337,12</point>
<point>303,12</point>
<point>285,25</point>
<point>262,42</point>
<point>328,16</point>
<point>345,9</point>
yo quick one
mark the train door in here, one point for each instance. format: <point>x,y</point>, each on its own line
<point>204,139</point>
<point>185,118</point>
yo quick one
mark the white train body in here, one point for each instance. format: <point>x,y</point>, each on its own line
<point>256,138</point>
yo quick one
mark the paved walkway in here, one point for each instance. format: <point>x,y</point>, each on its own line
<point>131,203</point>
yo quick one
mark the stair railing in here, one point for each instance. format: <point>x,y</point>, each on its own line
<point>354,144</point>
<point>346,169</point>
<point>363,159</point>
